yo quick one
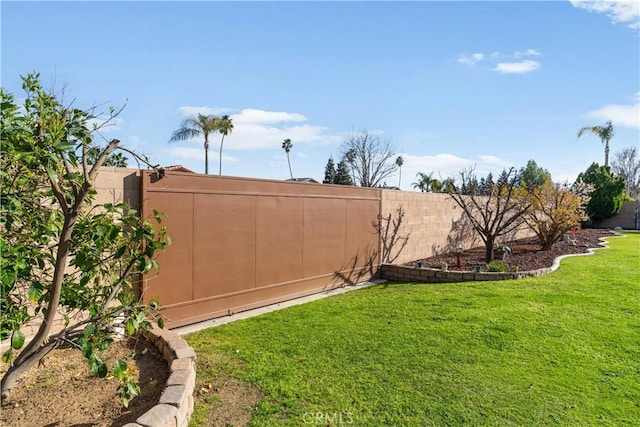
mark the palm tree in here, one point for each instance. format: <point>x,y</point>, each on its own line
<point>425,182</point>
<point>287,146</point>
<point>194,126</point>
<point>225,126</point>
<point>399,162</point>
<point>605,133</point>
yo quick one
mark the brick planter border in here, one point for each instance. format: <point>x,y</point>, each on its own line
<point>401,273</point>
<point>175,406</point>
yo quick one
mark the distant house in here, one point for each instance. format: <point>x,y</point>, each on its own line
<point>311,180</point>
<point>177,168</point>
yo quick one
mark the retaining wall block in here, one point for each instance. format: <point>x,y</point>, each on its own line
<point>159,416</point>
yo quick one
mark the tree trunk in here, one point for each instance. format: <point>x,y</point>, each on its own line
<point>206,157</point>
<point>289,162</point>
<point>34,351</point>
<point>221,142</point>
<point>14,373</point>
<point>488,254</point>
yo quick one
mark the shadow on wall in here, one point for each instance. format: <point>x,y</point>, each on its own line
<point>365,265</point>
<point>351,273</point>
<point>461,233</point>
<point>131,191</point>
<point>388,228</point>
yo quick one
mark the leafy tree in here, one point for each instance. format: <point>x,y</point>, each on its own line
<point>494,214</point>
<point>605,133</point>
<point>61,257</point>
<point>225,126</point>
<point>532,175</point>
<point>371,158</point>
<point>287,146</point>
<point>555,209</point>
<point>342,174</point>
<point>196,126</point>
<point>117,160</point>
<point>627,165</point>
<point>424,182</point>
<point>608,192</point>
<point>399,163</point>
<point>329,172</point>
<point>484,186</point>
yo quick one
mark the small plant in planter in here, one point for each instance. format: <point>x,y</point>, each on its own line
<point>497,266</point>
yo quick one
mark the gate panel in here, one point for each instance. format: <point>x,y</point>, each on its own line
<point>174,283</point>
<point>243,243</point>
<point>279,237</point>
<point>324,236</point>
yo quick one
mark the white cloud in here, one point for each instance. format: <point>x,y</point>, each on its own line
<point>620,114</point>
<point>521,67</point>
<point>188,111</point>
<point>192,153</point>
<point>261,129</point>
<point>506,63</point>
<point>471,59</point>
<point>445,165</point>
<point>528,52</point>
<point>619,11</point>
<point>254,116</point>
<point>490,160</point>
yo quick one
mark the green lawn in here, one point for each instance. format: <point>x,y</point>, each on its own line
<point>563,349</point>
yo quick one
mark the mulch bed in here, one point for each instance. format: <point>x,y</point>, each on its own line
<point>527,254</point>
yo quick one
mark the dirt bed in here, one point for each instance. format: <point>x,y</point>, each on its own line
<point>526,255</point>
<point>62,392</point>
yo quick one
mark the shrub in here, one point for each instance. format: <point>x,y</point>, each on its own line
<point>497,266</point>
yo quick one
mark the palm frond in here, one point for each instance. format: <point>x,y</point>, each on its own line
<point>184,133</point>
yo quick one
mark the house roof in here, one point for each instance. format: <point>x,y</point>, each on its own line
<point>177,168</point>
<point>303,180</point>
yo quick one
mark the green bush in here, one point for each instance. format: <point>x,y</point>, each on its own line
<point>608,194</point>
<point>497,266</point>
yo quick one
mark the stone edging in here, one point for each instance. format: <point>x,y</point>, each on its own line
<point>175,406</point>
<point>403,273</point>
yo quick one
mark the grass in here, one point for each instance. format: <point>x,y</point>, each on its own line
<point>563,349</point>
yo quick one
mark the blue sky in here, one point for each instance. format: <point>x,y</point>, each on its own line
<point>450,84</point>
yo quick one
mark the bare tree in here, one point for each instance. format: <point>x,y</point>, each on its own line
<point>627,165</point>
<point>494,213</point>
<point>371,158</point>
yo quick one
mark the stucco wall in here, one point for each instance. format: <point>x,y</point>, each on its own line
<point>432,222</point>
<point>429,222</point>
<point>117,185</point>
<point>627,218</point>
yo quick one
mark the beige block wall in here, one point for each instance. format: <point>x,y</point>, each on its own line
<point>431,223</point>
<point>117,185</point>
<point>627,218</point>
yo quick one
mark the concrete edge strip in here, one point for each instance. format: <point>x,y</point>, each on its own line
<point>590,251</point>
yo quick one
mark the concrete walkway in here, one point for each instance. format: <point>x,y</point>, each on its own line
<point>188,329</point>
